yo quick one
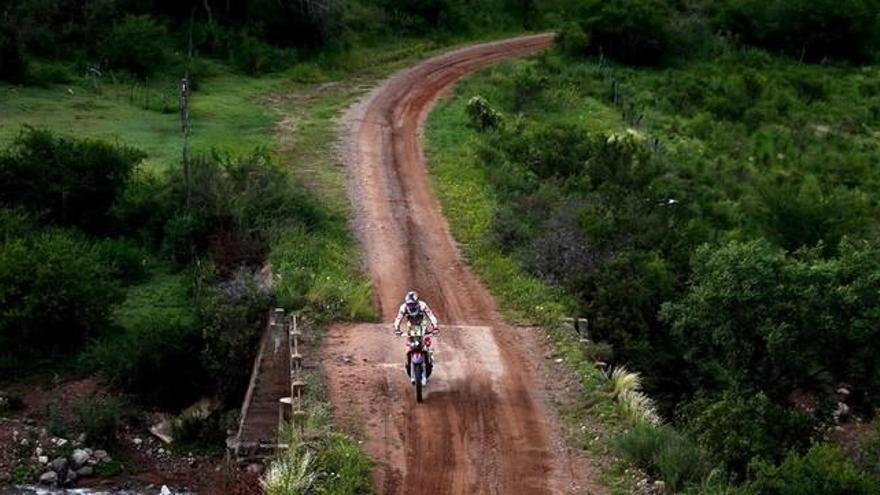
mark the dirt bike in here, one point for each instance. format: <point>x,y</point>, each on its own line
<point>419,356</point>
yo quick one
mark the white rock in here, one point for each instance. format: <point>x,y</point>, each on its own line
<point>43,459</point>
<point>85,471</point>
<point>79,457</point>
<point>137,441</point>
<point>165,490</point>
<point>59,464</point>
<point>49,478</point>
<point>99,454</point>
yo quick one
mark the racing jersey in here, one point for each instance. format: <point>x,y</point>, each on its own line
<point>424,310</point>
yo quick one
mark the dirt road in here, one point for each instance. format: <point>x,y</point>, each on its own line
<point>483,427</point>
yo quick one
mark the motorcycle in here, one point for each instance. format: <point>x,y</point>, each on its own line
<point>419,357</point>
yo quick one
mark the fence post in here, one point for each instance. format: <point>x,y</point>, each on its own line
<point>297,383</point>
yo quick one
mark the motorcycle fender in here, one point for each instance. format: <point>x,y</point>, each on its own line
<point>418,357</point>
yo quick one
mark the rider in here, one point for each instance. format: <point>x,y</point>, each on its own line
<point>415,311</point>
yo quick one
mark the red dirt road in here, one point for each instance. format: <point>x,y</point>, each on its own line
<point>483,427</point>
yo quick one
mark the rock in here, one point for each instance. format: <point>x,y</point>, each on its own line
<point>841,412</point>
<point>85,471</point>
<point>71,477</point>
<point>255,468</point>
<point>99,455</point>
<point>49,478</point>
<point>79,457</point>
<point>43,459</point>
<point>81,438</point>
<point>843,392</point>
<point>165,490</point>
<point>38,451</point>
<point>59,464</point>
<point>137,441</point>
<point>59,442</point>
<point>107,459</point>
<point>659,487</point>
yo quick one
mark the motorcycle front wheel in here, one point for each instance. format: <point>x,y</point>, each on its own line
<point>417,371</point>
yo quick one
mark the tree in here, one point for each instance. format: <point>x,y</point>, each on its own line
<point>72,182</point>
<point>756,318</point>
<point>54,293</point>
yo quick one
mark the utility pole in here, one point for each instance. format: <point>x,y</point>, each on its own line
<point>183,104</point>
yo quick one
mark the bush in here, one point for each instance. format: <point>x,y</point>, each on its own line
<point>74,182</point>
<point>125,259</point>
<point>742,428</point>
<point>144,208</point>
<point>233,318</point>
<point>824,470</point>
<point>137,45</point>
<point>55,293</point>
<point>572,40</point>
<point>482,115</point>
<point>45,73</point>
<point>99,418</point>
<point>155,357</point>
<point>236,205</point>
<point>254,57</point>
<point>808,29</point>
<point>636,32</point>
<point>13,65</point>
<point>195,430</point>
<point>666,454</point>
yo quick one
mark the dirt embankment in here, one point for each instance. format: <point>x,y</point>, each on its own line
<point>483,427</point>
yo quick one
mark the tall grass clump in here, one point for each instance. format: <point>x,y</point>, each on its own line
<point>665,454</point>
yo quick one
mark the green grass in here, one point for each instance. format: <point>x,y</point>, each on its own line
<point>164,293</point>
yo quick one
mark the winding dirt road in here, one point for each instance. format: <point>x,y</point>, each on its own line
<point>483,427</point>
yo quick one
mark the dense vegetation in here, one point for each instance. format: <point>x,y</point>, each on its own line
<point>714,217</point>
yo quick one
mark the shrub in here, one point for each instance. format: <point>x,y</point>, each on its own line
<point>46,73</point>
<point>155,357</point>
<point>13,65</point>
<point>824,470</point>
<point>10,403</point>
<point>666,454</point>
<point>236,205</point>
<point>99,418</point>
<point>808,29</point>
<point>54,293</point>
<point>343,467</point>
<point>74,182</point>
<point>125,259</point>
<point>740,428</point>
<point>232,318</point>
<point>144,208</point>
<point>482,115</point>
<point>572,40</point>
<point>137,45</point>
<point>636,32</point>
<point>254,57</point>
<point>196,430</point>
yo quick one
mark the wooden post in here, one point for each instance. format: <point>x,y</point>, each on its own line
<point>297,383</point>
